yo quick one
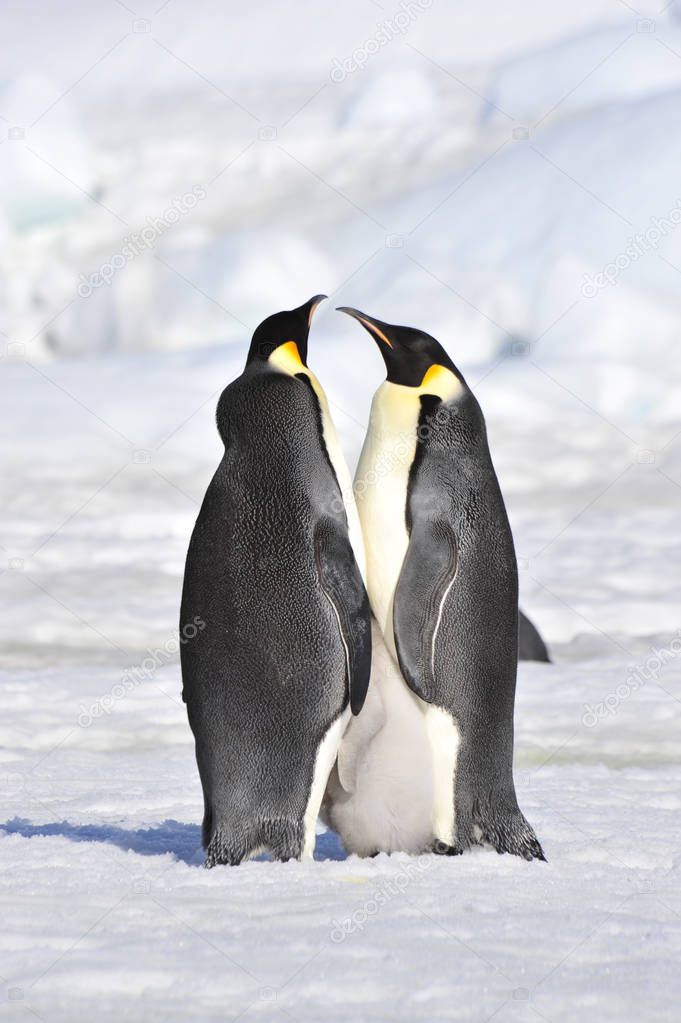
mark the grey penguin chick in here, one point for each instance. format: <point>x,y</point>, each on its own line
<point>283,655</point>
<point>443,583</point>
<point>379,796</point>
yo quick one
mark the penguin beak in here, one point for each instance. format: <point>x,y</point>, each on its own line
<point>412,358</point>
<point>290,327</point>
<point>376,328</point>
<point>308,308</point>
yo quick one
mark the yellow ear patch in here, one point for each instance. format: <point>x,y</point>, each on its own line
<point>440,381</point>
<point>434,375</point>
<point>286,358</point>
<point>291,350</point>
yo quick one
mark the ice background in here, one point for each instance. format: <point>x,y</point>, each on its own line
<point>464,180</point>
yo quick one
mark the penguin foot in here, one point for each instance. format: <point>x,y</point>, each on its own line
<point>508,833</point>
<point>443,849</point>
<point>282,837</point>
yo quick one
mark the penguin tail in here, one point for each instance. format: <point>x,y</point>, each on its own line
<point>282,837</point>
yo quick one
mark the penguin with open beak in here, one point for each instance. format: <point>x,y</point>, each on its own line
<point>442,582</point>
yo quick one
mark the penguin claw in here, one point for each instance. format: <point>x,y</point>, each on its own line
<point>507,831</point>
<point>511,835</point>
<point>443,849</point>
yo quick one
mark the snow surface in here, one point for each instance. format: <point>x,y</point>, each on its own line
<point>107,910</point>
<point>402,190</point>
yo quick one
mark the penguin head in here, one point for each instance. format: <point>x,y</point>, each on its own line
<point>285,334</point>
<point>412,357</point>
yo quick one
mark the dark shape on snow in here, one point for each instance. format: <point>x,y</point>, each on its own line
<point>531,647</point>
<point>181,840</point>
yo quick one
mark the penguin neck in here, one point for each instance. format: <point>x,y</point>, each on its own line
<point>285,360</point>
<point>382,483</point>
<point>438,381</point>
<point>396,408</point>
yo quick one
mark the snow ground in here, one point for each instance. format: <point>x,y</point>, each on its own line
<point>403,190</point>
<point>107,910</point>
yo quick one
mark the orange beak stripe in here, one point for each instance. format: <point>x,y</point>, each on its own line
<point>312,311</point>
<point>374,330</point>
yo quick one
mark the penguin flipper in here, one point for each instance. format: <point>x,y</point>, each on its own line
<point>341,581</point>
<point>427,575</point>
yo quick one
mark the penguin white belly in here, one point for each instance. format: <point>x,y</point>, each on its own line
<point>381,487</point>
<point>381,484</point>
<point>380,793</point>
<point>324,761</point>
<point>444,740</point>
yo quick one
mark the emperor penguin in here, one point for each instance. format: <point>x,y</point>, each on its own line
<point>443,584</point>
<point>273,578</point>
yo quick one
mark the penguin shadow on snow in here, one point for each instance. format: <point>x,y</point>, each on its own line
<point>183,841</point>
<point>327,848</point>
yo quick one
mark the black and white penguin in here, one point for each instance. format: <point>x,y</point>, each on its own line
<point>443,585</point>
<point>284,651</point>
